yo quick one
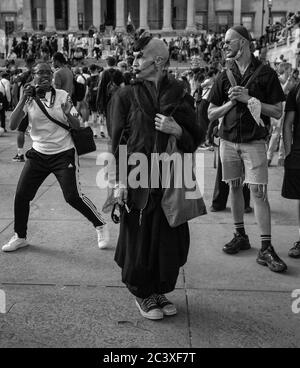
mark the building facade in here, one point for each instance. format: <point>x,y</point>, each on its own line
<point>156,15</point>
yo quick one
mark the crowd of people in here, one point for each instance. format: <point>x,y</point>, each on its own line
<point>204,48</point>
<point>138,101</point>
<point>279,31</point>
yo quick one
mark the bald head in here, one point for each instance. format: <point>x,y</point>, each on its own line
<point>157,49</point>
<point>237,43</point>
<point>240,33</point>
<point>232,34</point>
<point>151,57</point>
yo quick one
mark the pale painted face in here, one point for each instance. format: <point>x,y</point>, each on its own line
<point>144,64</point>
<point>151,60</point>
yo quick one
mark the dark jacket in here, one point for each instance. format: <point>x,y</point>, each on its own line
<point>110,75</point>
<point>238,124</point>
<point>132,117</point>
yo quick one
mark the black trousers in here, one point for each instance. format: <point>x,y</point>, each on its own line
<point>150,252</point>
<point>65,168</point>
<point>221,191</point>
<point>2,118</point>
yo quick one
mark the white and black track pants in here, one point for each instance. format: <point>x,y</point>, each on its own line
<point>65,167</point>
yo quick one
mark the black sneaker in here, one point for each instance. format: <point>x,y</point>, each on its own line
<point>149,309</point>
<point>217,209</point>
<point>239,242</point>
<point>270,258</point>
<point>168,308</point>
<point>19,158</point>
<point>248,209</point>
<point>295,251</point>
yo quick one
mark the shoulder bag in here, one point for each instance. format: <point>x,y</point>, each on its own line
<point>181,204</point>
<point>82,138</point>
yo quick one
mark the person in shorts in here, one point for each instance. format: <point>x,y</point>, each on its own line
<point>246,114</point>
<point>291,139</point>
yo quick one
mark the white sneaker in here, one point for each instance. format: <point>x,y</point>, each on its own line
<point>15,243</point>
<point>103,236</point>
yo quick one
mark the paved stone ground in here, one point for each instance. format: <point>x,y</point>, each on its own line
<point>64,292</point>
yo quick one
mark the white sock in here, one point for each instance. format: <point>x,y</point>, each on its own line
<point>20,152</point>
<point>299,233</point>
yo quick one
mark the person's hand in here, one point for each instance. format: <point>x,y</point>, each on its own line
<point>67,107</point>
<point>121,195</point>
<point>29,91</point>
<point>167,124</point>
<point>239,93</point>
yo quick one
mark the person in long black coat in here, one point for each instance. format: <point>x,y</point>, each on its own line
<point>149,251</point>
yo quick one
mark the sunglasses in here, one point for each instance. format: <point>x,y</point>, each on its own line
<point>228,42</point>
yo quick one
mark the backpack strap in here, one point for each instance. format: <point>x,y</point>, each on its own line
<point>297,87</point>
<point>254,75</point>
<point>233,82</point>
<point>231,78</point>
<point>4,91</point>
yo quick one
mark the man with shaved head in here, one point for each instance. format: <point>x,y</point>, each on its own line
<point>245,104</point>
<point>144,116</point>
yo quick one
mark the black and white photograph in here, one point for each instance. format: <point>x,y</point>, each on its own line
<point>149,151</point>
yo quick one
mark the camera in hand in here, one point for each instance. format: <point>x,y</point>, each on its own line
<point>38,91</point>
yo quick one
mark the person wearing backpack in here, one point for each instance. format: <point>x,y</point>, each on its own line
<point>91,98</point>
<point>246,109</point>
<point>82,106</point>
<point>110,81</point>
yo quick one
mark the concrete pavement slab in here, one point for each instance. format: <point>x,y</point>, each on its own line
<point>283,211</point>
<point>52,205</point>
<point>7,200</point>
<point>92,318</point>
<point>232,301</point>
<point>4,224</point>
<point>60,252</point>
<point>64,253</point>
<point>209,268</point>
<point>228,319</point>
